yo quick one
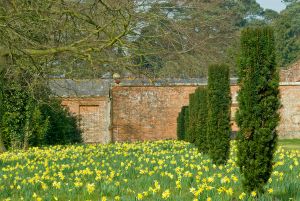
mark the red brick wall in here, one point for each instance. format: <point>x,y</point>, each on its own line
<point>292,74</point>
<point>147,113</point>
<point>289,126</point>
<point>94,116</point>
<point>150,113</point>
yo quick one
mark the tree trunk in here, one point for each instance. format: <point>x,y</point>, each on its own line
<point>2,147</point>
<point>26,144</point>
<point>26,136</point>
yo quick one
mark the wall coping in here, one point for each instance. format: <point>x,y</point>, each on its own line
<point>66,88</point>
<point>289,84</point>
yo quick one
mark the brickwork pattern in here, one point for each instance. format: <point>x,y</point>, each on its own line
<point>289,126</point>
<point>149,113</point>
<point>94,114</point>
<point>292,74</point>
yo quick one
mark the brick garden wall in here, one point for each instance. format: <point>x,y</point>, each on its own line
<point>147,113</point>
<point>150,113</point>
<point>289,126</point>
<point>292,74</point>
<point>130,113</point>
<point>94,114</point>
<point>139,112</point>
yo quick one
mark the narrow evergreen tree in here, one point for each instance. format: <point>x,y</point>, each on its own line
<point>218,120</point>
<point>186,123</point>
<point>258,99</point>
<point>181,124</point>
<point>193,112</point>
<point>201,124</point>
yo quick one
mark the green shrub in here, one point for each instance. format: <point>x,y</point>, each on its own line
<point>26,122</point>
<point>181,124</point>
<point>258,99</point>
<point>63,126</point>
<point>22,120</point>
<point>218,119</point>
<point>201,124</point>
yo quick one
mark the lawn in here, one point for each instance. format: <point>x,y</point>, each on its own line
<point>290,143</point>
<point>161,170</point>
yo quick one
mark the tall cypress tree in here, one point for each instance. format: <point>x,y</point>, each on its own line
<point>181,124</point>
<point>201,122</point>
<point>259,102</point>
<point>218,120</point>
<point>186,122</point>
<point>191,130</point>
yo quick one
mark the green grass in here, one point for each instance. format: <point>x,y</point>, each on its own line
<point>290,143</point>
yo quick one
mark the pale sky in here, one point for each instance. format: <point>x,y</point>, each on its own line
<point>276,5</point>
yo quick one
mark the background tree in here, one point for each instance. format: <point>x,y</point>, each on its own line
<point>290,1</point>
<point>287,34</point>
<point>63,37</point>
<point>257,116</point>
<point>286,27</point>
<point>85,39</point>
<point>218,118</point>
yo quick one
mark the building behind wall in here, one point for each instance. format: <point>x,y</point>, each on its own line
<point>139,110</point>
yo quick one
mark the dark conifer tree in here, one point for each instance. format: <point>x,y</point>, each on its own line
<point>259,102</point>
<point>181,124</point>
<point>218,120</point>
<point>201,124</point>
<point>186,123</point>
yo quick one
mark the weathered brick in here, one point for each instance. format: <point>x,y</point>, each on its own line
<point>94,114</point>
<point>292,74</point>
<point>150,112</point>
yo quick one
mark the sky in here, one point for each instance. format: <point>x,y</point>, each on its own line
<point>276,5</point>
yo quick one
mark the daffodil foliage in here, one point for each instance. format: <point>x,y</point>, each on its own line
<point>161,170</point>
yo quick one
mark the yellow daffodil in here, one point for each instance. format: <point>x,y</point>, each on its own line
<point>253,193</point>
<point>166,194</point>
<point>90,188</point>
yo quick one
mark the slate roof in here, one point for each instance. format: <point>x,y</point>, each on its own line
<point>80,88</point>
<point>101,87</point>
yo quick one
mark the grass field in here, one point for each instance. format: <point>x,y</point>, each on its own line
<point>161,170</point>
<point>290,143</point>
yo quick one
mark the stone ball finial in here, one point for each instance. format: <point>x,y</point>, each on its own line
<point>116,77</point>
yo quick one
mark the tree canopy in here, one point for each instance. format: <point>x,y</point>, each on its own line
<point>85,39</point>
<point>287,30</point>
